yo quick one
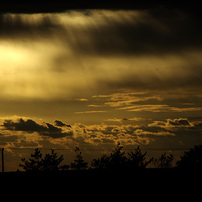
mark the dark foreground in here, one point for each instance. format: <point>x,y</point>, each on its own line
<point>148,174</point>
<point>103,185</point>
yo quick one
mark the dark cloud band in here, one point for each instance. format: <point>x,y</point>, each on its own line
<point>150,32</point>
<point>29,125</point>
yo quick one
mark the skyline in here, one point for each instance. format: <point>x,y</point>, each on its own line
<point>93,78</point>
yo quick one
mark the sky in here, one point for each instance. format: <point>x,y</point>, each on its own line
<point>93,78</point>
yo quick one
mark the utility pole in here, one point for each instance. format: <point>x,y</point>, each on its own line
<point>2,159</point>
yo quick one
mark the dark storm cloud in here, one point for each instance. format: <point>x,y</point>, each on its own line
<point>198,125</point>
<point>153,31</point>
<point>18,26</point>
<point>31,126</point>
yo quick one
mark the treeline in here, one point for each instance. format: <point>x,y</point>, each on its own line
<point>116,160</point>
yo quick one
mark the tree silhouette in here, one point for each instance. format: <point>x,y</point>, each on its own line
<point>191,159</point>
<point>165,161</point>
<point>64,167</point>
<point>51,162</point>
<point>137,159</point>
<point>118,160</point>
<point>100,163</point>
<point>36,164</point>
<point>79,163</point>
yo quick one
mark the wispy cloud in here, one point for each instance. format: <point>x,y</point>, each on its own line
<point>160,108</point>
<point>81,99</point>
<point>122,120</point>
<point>172,123</point>
<point>96,106</point>
<point>114,120</point>
<point>149,133</point>
<point>90,112</point>
<point>130,100</point>
<point>145,101</point>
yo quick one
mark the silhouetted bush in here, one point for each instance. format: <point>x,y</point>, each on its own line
<point>191,159</point>
<point>165,161</point>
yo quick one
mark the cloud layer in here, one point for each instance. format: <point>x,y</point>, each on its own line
<point>103,32</point>
<point>82,53</point>
<point>101,134</point>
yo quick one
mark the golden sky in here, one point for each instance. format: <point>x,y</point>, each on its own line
<point>132,77</point>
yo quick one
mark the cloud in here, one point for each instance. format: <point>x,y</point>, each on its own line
<point>134,32</point>
<point>98,50</point>
<point>198,125</point>
<point>172,123</point>
<point>157,108</point>
<point>28,26</point>
<point>152,101</point>
<point>96,106</point>
<point>148,32</point>
<point>160,108</point>
<point>130,101</point>
<point>107,134</point>
<point>82,100</point>
<point>130,98</point>
<point>168,104</point>
<point>135,119</point>
<point>149,133</point>
<point>61,124</point>
<point>179,122</point>
<point>90,112</point>
<point>20,139</point>
<point>114,120</point>
<point>112,134</point>
<point>153,108</point>
<point>27,133</point>
<point>157,75</point>
<point>31,126</point>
